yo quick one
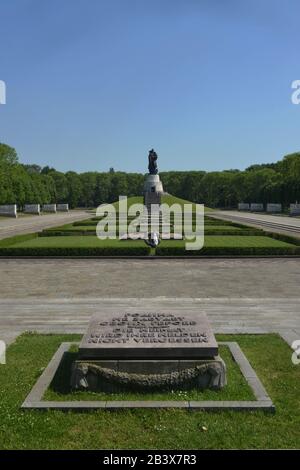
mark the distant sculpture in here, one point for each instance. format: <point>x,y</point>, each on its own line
<point>152,166</point>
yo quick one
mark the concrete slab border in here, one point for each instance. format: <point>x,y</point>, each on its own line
<point>34,399</point>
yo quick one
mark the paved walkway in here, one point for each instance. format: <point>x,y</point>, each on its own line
<point>243,295</point>
<point>28,224</point>
<point>273,223</point>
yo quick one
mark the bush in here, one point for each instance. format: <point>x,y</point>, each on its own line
<point>211,231</point>
<point>67,233</point>
<point>142,250</point>
<point>283,238</point>
<point>227,251</point>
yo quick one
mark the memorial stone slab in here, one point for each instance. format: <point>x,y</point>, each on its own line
<point>149,335</point>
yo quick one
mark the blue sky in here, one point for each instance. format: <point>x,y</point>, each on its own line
<point>96,83</point>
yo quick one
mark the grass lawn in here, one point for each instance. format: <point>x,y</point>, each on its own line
<point>92,241</point>
<point>166,199</point>
<point>169,429</point>
<point>233,241</point>
<point>77,241</point>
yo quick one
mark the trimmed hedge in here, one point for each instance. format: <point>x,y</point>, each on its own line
<point>283,238</point>
<point>227,251</point>
<point>61,233</point>
<point>67,233</point>
<point>143,250</point>
<point>233,232</point>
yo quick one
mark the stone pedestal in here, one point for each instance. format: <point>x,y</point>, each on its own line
<point>153,184</point>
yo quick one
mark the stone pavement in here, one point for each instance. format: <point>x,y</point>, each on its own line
<point>272,223</point>
<point>238,295</point>
<point>10,227</point>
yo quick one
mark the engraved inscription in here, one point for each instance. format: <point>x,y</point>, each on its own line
<point>147,328</point>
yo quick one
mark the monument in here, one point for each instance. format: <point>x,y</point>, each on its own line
<point>142,350</point>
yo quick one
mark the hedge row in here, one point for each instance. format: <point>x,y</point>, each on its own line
<point>233,232</point>
<point>83,223</point>
<point>227,251</point>
<point>143,250</point>
<point>67,233</point>
<point>283,238</point>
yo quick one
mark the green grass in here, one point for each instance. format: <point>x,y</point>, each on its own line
<point>237,388</point>
<point>150,429</point>
<point>166,199</point>
<point>76,241</point>
<point>169,199</point>
<point>210,241</point>
<point>228,241</point>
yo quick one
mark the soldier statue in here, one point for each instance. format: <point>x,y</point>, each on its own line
<point>152,166</point>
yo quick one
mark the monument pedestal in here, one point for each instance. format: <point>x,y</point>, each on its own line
<point>153,184</point>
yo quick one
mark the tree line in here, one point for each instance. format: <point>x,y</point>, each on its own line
<point>27,184</point>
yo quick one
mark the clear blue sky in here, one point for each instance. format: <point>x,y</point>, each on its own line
<point>96,83</point>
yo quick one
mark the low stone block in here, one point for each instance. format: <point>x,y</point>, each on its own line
<point>62,207</point>
<point>49,208</point>
<point>274,208</point>
<point>32,209</point>
<point>243,206</point>
<point>9,210</point>
<point>294,209</point>
<point>255,207</point>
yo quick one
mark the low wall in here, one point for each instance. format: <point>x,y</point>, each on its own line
<point>9,210</point>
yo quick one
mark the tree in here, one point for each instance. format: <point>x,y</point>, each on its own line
<point>8,156</point>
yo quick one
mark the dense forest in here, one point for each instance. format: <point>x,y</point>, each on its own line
<point>275,182</point>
